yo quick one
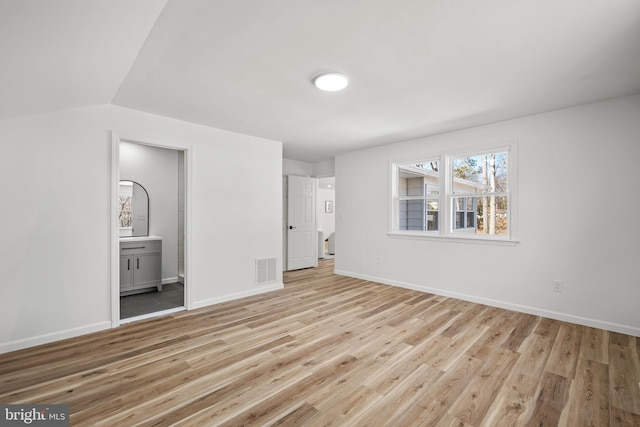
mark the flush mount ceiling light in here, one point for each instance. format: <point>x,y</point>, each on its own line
<point>331,82</point>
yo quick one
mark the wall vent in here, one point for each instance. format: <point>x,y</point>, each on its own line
<point>265,270</point>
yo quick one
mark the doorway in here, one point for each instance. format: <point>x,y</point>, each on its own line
<point>326,217</point>
<point>143,293</point>
<point>308,229</point>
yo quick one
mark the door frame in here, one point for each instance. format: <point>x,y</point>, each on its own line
<point>115,241</point>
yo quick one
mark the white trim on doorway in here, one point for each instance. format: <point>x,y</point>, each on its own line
<point>151,315</point>
<point>115,242</point>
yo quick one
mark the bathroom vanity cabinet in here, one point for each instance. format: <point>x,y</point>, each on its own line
<point>140,264</point>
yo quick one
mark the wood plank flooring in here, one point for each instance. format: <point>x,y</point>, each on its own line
<point>332,350</point>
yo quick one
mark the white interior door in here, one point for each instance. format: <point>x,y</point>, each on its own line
<point>301,230</point>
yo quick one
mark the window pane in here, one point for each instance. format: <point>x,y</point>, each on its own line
<point>431,189</point>
<point>415,187</point>
<point>410,186</point>
<point>402,186</point>
<point>432,214</point>
<point>476,219</point>
<point>412,215</point>
<point>458,205</point>
<point>459,220</point>
<point>418,215</point>
<point>430,167</point>
<point>125,210</point>
<point>493,215</point>
<point>471,219</point>
<point>403,214</point>
<point>481,174</point>
<point>432,220</point>
<point>418,180</point>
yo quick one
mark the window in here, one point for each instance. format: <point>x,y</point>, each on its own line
<point>467,195</point>
<point>418,196</point>
<point>124,203</point>
<point>125,211</point>
<point>480,192</point>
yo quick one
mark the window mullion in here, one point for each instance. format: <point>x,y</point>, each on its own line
<point>446,181</point>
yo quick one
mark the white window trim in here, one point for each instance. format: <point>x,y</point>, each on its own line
<point>446,231</point>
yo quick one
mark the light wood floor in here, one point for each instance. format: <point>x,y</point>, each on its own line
<point>331,350</point>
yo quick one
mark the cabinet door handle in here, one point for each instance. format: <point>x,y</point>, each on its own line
<point>138,263</point>
<point>129,264</point>
<point>137,247</point>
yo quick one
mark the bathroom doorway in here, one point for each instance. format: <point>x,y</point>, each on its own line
<point>151,265</point>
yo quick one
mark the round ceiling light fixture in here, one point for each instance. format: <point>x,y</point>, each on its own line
<point>331,82</point>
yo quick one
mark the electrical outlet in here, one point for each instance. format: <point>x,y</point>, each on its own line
<point>557,286</point>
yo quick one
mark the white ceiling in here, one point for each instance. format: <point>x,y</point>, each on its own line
<point>417,67</point>
<point>68,53</point>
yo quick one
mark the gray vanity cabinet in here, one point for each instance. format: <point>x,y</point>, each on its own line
<point>140,264</point>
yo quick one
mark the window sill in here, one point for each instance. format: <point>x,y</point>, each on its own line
<point>452,238</point>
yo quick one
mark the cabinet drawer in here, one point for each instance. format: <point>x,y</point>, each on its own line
<point>132,248</point>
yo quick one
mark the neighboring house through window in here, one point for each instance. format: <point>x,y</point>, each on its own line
<point>419,195</point>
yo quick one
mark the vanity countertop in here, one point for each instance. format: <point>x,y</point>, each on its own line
<point>139,238</point>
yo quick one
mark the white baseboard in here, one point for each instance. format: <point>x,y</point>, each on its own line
<point>152,315</point>
<point>51,337</point>
<point>231,297</point>
<point>172,280</point>
<point>594,323</point>
<point>71,333</point>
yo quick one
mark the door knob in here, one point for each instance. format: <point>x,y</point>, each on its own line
<point>291,227</point>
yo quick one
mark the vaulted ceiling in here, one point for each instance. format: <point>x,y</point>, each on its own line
<point>416,67</point>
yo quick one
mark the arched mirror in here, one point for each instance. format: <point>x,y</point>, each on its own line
<point>134,209</point>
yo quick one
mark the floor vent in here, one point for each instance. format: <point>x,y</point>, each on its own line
<point>265,270</point>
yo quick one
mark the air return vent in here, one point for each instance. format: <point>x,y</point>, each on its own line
<point>265,270</point>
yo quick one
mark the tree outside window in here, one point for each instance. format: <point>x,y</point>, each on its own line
<point>124,202</point>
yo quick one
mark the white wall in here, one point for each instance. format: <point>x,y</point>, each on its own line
<point>156,169</point>
<point>56,244</point>
<point>325,168</point>
<point>580,163</point>
<point>295,167</point>
<point>326,221</point>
